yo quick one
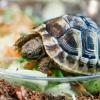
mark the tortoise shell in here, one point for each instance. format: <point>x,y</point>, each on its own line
<point>72,42</point>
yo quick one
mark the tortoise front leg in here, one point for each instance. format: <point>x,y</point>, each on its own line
<point>44,64</point>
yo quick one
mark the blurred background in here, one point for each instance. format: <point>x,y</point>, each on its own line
<point>46,9</point>
<point>17,17</point>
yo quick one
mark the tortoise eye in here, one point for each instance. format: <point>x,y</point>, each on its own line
<point>30,53</point>
<point>27,54</point>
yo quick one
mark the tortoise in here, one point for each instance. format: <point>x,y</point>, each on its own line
<point>72,42</point>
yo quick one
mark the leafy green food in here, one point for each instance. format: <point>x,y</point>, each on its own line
<point>21,59</point>
<point>57,73</point>
<point>92,86</point>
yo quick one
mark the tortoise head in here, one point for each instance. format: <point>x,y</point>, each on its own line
<point>33,49</point>
<point>30,46</point>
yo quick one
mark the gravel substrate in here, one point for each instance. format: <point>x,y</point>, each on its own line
<point>14,92</point>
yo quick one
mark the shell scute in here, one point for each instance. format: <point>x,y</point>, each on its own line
<point>60,57</point>
<point>77,23</point>
<point>70,41</point>
<point>76,38</point>
<point>89,45</point>
<point>57,27</point>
